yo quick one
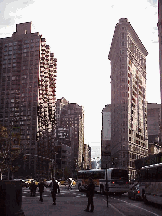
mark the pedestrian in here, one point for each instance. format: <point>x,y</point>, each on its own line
<point>32,188</point>
<point>90,195</point>
<point>55,187</point>
<point>69,184</point>
<point>41,190</point>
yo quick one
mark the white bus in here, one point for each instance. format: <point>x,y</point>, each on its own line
<point>118,181</point>
<point>151,176</point>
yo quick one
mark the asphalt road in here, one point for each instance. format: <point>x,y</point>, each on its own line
<point>72,203</point>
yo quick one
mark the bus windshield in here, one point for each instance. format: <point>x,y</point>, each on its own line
<point>119,174</point>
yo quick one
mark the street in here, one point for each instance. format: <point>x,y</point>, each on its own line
<point>72,202</point>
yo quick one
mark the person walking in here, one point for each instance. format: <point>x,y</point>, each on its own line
<point>90,195</point>
<point>69,184</point>
<point>41,190</point>
<point>55,187</point>
<point>32,187</point>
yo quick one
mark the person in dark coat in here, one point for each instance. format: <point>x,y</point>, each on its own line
<point>32,188</point>
<point>41,190</point>
<point>55,187</point>
<point>90,195</point>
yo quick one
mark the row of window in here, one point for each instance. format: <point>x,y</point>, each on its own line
<point>19,43</point>
<point>134,49</point>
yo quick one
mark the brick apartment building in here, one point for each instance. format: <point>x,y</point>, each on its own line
<point>28,94</point>
<point>86,157</point>
<point>128,97</point>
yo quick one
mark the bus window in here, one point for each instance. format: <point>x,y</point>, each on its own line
<point>118,173</point>
<point>152,174</point>
<point>159,174</point>
<point>102,175</point>
<point>143,174</point>
<point>98,174</point>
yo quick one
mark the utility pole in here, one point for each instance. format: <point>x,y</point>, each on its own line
<point>55,164</point>
<point>63,172</point>
<point>107,155</point>
<point>106,186</point>
<point>9,154</point>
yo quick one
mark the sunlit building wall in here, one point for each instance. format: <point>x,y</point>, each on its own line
<point>106,137</point>
<point>86,160</point>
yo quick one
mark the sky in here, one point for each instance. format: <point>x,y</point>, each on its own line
<point>80,33</point>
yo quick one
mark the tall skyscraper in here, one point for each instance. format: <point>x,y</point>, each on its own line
<point>129,140</point>
<point>28,94</point>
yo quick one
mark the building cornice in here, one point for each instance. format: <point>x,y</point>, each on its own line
<point>133,34</point>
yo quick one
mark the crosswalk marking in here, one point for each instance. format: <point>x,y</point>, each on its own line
<point>64,191</point>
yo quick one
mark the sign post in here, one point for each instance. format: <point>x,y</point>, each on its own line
<point>106,186</point>
<point>107,154</point>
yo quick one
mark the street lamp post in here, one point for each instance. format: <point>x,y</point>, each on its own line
<point>55,164</point>
<point>63,172</point>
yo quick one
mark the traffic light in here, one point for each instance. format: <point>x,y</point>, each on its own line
<point>112,161</point>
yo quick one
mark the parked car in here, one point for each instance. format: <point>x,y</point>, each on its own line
<point>136,191</point>
<point>28,181</point>
<point>63,182</point>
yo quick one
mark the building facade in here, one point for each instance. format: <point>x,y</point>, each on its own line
<point>86,157</point>
<point>128,97</point>
<point>106,137</point>
<point>153,127</point>
<point>28,73</point>
<point>60,103</point>
<point>62,163</point>
<point>70,116</point>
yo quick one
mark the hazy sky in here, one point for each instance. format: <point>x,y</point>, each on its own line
<point>80,34</point>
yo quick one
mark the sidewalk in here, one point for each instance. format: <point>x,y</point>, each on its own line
<point>65,206</point>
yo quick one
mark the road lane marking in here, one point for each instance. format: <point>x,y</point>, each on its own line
<point>116,209</point>
<point>138,207</point>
